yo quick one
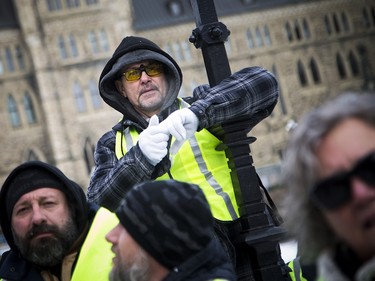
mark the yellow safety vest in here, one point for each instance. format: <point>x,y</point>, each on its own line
<point>296,273</point>
<point>95,258</point>
<point>198,162</point>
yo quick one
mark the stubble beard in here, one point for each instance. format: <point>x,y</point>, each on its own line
<point>138,270</point>
<point>151,105</point>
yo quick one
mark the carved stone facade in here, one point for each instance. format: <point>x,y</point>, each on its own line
<point>51,62</point>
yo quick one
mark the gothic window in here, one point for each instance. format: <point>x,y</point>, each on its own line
<point>73,45</point>
<point>186,50</point>
<point>88,153</point>
<point>175,8</point>
<point>366,18</point>
<point>297,30</point>
<point>258,37</point>
<point>281,96</point>
<point>93,42</point>
<point>103,40</point>
<point>20,57</point>
<point>353,64</point>
<point>91,2</point>
<point>306,29</point>
<point>29,108</point>
<point>345,23</point>
<point>314,71</point>
<point>177,51</point>
<point>228,46</point>
<point>79,97</point>
<point>72,3</point>
<point>327,25</point>
<point>301,74</point>
<point>94,93</point>
<point>14,115</point>
<point>289,33</point>
<point>9,59</point>
<point>249,37</point>
<point>336,23</point>
<point>62,47</point>
<point>340,66</point>
<point>267,36</point>
<point>1,65</point>
<point>54,5</point>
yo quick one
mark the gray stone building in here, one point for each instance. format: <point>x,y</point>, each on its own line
<point>52,52</point>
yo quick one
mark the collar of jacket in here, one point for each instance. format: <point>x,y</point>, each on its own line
<point>210,263</point>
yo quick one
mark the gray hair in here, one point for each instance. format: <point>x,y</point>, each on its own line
<point>300,169</point>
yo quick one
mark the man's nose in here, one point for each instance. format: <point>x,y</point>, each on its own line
<point>38,215</point>
<point>361,189</point>
<point>144,76</point>
<point>112,235</point>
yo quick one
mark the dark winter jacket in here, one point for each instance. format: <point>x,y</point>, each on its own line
<point>209,264</point>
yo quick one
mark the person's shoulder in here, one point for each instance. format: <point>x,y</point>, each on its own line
<point>108,137</point>
<point>14,267</point>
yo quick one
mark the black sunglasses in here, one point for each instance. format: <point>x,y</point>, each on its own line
<point>335,191</point>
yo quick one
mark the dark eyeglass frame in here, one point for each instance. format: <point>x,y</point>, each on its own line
<point>153,69</point>
<point>335,191</point>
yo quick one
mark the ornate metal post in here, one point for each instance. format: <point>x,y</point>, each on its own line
<point>256,236</point>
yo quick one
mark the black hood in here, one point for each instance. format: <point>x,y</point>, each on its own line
<point>132,50</point>
<point>73,192</point>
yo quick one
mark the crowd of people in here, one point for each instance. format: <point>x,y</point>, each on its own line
<point>161,205</point>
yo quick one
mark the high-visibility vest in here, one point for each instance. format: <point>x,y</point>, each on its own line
<point>296,273</point>
<point>95,258</point>
<point>199,162</point>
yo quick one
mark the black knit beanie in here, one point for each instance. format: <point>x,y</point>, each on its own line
<point>170,220</point>
<point>29,180</point>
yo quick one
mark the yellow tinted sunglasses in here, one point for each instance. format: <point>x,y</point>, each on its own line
<point>153,69</point>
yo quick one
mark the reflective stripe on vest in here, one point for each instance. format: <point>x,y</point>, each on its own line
<point>95,258</point>
<point>197,161</point>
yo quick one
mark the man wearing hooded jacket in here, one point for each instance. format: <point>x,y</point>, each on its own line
<point>164,137</point>
<point>52,232</point>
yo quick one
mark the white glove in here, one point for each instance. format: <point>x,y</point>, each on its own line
<point>153,141</point>
<point>182,124</point>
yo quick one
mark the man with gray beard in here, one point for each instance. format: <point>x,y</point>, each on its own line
<point>166,233</point>
<point>52,232</point>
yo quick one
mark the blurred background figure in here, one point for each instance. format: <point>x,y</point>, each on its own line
<point>330,173</point>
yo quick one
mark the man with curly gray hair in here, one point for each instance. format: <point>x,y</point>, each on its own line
<point>329,171</point>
